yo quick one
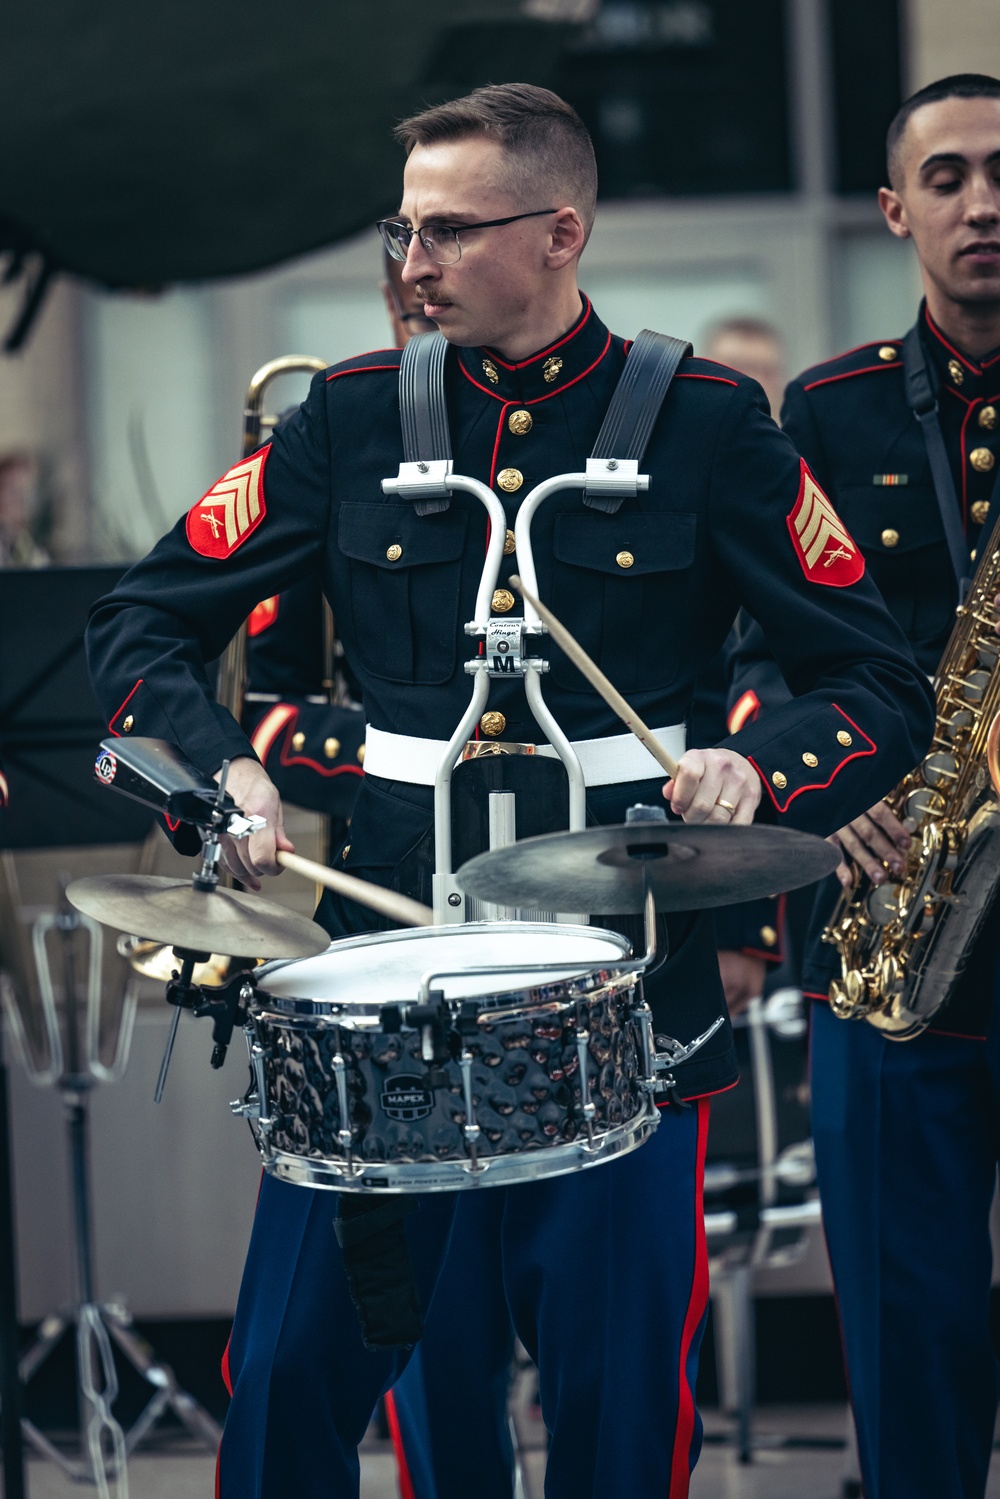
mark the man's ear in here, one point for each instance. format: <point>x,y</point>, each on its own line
<point>567,238</point>
<point>894,212</point>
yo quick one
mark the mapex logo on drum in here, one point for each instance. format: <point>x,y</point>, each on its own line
<point>405,1097</point>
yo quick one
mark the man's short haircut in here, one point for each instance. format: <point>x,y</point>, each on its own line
<point>957,86</point>
<point>547,148</point>
<point>742,326</point>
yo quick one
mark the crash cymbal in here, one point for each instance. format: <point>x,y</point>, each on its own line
<point>217,921</point>
<point>606,870</point>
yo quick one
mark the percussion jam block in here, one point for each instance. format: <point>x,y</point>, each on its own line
<point>426,1061</point>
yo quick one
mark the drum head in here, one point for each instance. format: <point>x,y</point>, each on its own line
<point>388,967</point>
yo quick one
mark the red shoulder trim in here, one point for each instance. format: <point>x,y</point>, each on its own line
<point>718,379</point>
<point>868,369</point>
<point>362,369</point>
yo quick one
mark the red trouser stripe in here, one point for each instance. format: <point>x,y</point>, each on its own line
<point>402,1466</point>
<point>680,1467</point>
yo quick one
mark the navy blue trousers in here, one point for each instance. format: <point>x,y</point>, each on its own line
<point>606,1280</point>
<point>907,1143</point>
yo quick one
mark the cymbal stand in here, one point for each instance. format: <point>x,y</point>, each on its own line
<point>75,1069</point>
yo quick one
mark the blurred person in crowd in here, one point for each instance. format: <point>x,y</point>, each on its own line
<point>18,508</point>
<point>753,346</point>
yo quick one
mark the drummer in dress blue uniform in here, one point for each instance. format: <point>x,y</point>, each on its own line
<point>605,1271</point>
<point>908,1135</point>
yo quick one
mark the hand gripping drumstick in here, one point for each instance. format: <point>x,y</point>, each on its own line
<point>398,907</point>
<point>596,677</point>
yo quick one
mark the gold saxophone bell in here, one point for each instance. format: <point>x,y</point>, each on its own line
<point>155,960</point>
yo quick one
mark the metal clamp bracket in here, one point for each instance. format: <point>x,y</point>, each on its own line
<point>615,476</point>
<point>424,479</point>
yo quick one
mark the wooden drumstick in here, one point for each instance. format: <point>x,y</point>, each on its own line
<point>386,902</point>
<point>596,677</point>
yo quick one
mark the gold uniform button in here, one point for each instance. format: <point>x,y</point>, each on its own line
<point>982,460</point>
<point>550,370</point>
<point>510,479</point>
<point>625,559</point>
<point>810,760</point>
<point>394,552</point>
<point>980,510</point>
<point>956,371</point>
<point>493,724</point>
<point>298,741</point>
<point>129,724</point>
<point>890,538</point>
<point>331,748</point>
<point>887,352</point>
<point>361,754</point>
<point>345,850</point>
<point>503,601</point>
<point>509,544</point>
<point>779,780</point>
<point>988,418</point>
<point>845,739</point>
<point>490,371</point>
<point>769,936</point>
<point>520,423</point>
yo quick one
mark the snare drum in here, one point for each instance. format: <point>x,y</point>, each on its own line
<point>448,1058</point>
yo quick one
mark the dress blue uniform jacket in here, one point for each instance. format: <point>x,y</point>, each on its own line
<point>850,419</point>
<point>720,526</point>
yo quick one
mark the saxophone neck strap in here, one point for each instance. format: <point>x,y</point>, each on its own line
<point>423,411</point>
<point>628,423</point>
<point>922,401</point>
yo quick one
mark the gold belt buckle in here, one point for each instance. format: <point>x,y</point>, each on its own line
<point>475,749</point>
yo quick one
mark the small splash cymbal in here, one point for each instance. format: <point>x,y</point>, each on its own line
<point>607,870</point>
<point>167,910</point>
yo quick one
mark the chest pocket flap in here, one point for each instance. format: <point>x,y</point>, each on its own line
<point>654,543</point>
<point>393,536</point>
<point>893,519</point>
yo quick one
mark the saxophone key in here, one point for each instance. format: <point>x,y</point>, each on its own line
<point>974,686</point>
<point>939,768</point>
<point>883,904</point>
<point>921,804</point>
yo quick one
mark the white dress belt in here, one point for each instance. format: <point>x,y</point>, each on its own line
<point>606,762</point>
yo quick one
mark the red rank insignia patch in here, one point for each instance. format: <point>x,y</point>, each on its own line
<point>822,542</point>
<point>262,616</point>
<point>233,508</point>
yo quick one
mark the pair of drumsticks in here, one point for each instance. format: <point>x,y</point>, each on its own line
<point>411,912</point>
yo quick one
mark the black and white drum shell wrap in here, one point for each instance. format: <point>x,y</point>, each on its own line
<point>317,1034</point>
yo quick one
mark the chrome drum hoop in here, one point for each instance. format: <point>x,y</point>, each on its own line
<point>457,1176</point>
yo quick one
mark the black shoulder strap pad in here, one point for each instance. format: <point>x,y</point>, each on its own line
<point>651,365</point>
<point>422,409</point>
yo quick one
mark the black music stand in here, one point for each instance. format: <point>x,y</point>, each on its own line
<point>50,730</point>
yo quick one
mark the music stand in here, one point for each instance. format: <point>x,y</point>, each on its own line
<point>50,729</point>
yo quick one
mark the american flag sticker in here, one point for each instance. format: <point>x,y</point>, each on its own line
<point>232,509</point>
<point>825,548</point>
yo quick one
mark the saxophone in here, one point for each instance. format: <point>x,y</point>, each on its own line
<point>904,944</point>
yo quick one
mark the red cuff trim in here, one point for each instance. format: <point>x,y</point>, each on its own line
<point>744,710</point>
<point>819,785</point>
<point>121,710</point>
<point>769,957</point>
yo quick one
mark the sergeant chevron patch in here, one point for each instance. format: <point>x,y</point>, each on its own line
<point>822,543</point>
<point>233,508</point>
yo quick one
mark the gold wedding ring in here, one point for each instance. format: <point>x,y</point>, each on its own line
<point>721,802</point>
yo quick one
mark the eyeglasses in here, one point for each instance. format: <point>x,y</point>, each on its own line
<point>440,241</point>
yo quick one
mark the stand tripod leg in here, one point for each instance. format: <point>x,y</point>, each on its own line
<point>143,1358</point>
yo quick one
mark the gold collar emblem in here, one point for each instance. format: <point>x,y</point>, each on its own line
<point>490,371</point>
<point>550,370</point>
<point>956,371</point>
